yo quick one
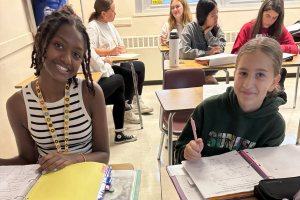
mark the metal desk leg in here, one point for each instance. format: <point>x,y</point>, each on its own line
<point>163,68</point>
<point>298,135</point>
<point>170,134</point>
<point>296,87</point>
<point>227,76</point>
<point>136,93</point>
<point>162,133</point>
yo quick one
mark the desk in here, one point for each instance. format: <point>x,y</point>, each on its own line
<point>125,166</point>
<point>129,60</point>
<point>168,191</point>
<point>95,75</point>
<point>171,101</point>
<point>192,64</point>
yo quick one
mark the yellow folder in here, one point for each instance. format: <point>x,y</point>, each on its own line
<point>78,181</point>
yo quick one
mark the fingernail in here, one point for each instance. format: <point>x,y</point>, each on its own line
<point>44,172</point>
<point>37,171</point>
<point>55,170</point>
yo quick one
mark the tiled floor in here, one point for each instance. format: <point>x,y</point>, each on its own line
<point>143,153</point>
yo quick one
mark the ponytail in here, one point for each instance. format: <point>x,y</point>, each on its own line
<point>93,16</point>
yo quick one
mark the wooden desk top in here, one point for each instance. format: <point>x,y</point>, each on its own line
<point>173,101</point>
<point>95,75</point>
<point>125,166</point>
<point>163,48</point>
<point>168,191</point>
<point>193,64</point>
<point>294,63</point>
<point>118,60</point>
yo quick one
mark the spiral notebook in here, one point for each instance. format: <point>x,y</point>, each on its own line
<point>238,172</point>
<point>78,181</point>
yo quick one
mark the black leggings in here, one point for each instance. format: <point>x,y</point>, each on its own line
<point>125,71</point>
<point>113,89</point>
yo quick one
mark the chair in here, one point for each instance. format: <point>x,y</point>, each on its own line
<point>174,79</point>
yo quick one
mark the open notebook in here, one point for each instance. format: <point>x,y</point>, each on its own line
<point>217,59</point>
<point>218,177</point>
<point>79,181</point>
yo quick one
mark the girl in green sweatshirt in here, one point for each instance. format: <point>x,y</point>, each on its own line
<point>246,115</point>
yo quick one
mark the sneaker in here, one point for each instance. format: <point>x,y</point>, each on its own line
<point>283,74</point>
<point>122,138</point>
<point>144,107</point>
<point>130,117</point>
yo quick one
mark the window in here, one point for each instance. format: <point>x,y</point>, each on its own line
<point>163,6</point>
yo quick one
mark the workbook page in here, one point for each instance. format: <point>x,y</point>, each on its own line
<point>222,175</point>
<point>277,162</point>
<point>14,180</point>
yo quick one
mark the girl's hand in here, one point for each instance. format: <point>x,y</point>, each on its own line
<point>163,38</point>
<point>53,162</point>
<point>116,51</point>
<point>215,50</point>
<point>108,60</point>
<point>192,151</point>
<point>208,29</point>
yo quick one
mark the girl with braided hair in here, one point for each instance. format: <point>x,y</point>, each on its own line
<point>61,117</point>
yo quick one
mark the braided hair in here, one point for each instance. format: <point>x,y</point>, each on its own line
<point>47,30</point>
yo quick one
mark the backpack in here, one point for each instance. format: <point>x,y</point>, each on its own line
<point>45,7</point>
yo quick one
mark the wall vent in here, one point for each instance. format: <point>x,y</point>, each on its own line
<point>152,41</point>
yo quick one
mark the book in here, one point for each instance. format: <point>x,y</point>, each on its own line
<point>233,174</point>
<point>77,181</point>
<point>217,59</point>
<point>126,185</point>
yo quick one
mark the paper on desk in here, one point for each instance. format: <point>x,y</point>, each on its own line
<point>286,55</point>
<point>219,59</point>
<point>123,56</point>
<point>14,180</point>
<point>277,162</point>
<point>211,90</point>
<point>293,27</point>
<point>190,192</point>
<point>222,175</point>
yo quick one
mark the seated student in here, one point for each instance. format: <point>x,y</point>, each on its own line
<point>269,23</point>
<point>180,15</point>
<point>203,36</point>
<point>112,86</point>
<point>58,115</point>
<point>107,42</point>
<point>246,115</point>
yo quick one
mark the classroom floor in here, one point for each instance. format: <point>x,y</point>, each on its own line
<point>143,153</point>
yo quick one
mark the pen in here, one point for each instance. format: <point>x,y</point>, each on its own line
<point>194,130</point>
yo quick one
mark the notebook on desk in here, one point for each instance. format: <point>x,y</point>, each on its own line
<point>236,172</point>
<point>217,59</point>
<point>78,181</point>
<point>126,185</point>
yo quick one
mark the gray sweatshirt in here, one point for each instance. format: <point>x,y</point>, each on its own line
<point>194,43</point>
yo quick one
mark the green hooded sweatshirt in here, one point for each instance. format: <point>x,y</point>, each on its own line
<point>224,127</point>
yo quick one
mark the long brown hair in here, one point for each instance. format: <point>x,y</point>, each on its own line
<point>99,6</point>
<point>268,46</point>
<point>186,15</point>
<point>275,30</point>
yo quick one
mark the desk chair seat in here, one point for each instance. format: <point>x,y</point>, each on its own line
<point>175,79</point>
<point>179,121</point>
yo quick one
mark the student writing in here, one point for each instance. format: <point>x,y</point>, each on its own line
<point>269,23</point>
<point>203,36</point>
<point>246,115</point>
<point>106,40</point>
<point>59,116</point>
